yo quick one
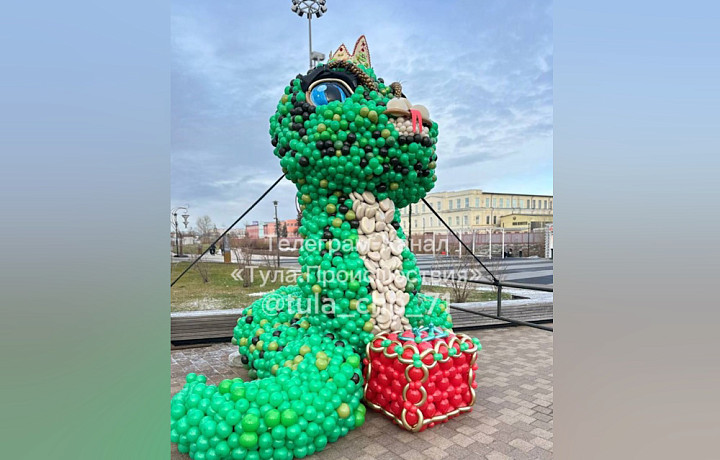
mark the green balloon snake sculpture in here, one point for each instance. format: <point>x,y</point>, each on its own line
<point>358,151</point>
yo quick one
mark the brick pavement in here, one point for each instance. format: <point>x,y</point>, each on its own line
<point>512,417</point>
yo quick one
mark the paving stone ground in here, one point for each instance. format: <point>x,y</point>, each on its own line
<point>512,417</point>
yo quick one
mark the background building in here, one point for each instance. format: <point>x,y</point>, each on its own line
<point>290,225</point>
<point>255,230</point>
<point>467,210</point>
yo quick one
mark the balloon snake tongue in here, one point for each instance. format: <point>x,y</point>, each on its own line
<point>304,343</point>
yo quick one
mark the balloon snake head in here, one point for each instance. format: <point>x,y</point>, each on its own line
<point>339,129</point>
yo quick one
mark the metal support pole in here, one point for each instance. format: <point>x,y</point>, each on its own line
<point>473,241</point>
<point>499,299</point>
<point>310,39</point>
<point>277,234</point>
<point>460,245</point>
<point>177,244</point>
<point>528,240</point>
<point>490,243</point>
<point>433,233</point>
<point>503,247</point>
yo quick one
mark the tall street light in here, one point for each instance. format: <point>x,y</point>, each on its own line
<point>309,8</point>
<point>174,221</point>
<point>277,234</point>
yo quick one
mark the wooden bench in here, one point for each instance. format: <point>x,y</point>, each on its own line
<point>533,313</point>
<point>219,324</point>
<point>200,325</point>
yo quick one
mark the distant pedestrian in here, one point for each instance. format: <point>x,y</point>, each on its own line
<point>510,252</point>
<point>212,249</point>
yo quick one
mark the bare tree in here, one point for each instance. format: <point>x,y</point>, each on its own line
<point>203,270</point>
<point>463,269</point>
<point>244,251</point>
<point>205,225</point>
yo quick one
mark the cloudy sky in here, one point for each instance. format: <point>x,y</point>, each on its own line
<point>483,68</point>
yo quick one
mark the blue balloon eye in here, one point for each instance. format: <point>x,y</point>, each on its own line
<point>327,92</point>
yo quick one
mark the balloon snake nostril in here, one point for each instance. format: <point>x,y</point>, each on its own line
<point>304,344</point>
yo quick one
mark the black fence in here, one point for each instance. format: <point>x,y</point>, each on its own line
<point>495,282</point>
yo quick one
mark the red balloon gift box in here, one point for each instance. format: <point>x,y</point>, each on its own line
<point>421,377</point>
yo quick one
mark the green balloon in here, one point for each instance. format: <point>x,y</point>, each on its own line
<point>305,364</point>
<point>248,440</point>
<point>272,418</point>
<point>250,423</point>
<point>289,417</point>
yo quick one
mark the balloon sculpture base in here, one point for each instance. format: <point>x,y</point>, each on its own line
<point>421,377</point>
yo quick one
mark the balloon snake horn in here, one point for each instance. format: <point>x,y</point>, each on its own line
<point>355,163</point>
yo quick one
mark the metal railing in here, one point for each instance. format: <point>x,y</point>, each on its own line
<point>495,282</point>
<point>499,286</point>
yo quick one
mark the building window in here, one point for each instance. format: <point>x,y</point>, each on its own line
<point>432,221</point>
<point>494,203</point>
<point>550,204</point>
<point>487,220</point>
<point>415,223</point>
<point>494,220</point>
<point>487,202</point>
<point>477,202</point>
<point>545,205</point>
<point>467,202</point>
<point>423,223</point>
<point>514,203</point>
<point>465,220</point>
<point>477,220</point>
<point>533,204</point>
<point>449,204</point>
<point>528,204</point>
<point>457,202</point>
<point>439,205</point>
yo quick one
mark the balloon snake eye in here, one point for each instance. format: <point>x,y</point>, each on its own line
<point>323,92</point>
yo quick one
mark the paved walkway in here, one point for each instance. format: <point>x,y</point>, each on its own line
<point>512,417</point>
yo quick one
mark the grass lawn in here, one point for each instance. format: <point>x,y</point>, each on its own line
<point>221,291</point>
<point>474,296</point>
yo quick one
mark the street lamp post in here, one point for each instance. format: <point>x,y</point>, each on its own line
<point>528,239</point>
<point>174,221</point>
<point>277,234</point>
<point>309,8</point>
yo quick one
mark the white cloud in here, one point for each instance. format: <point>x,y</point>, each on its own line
<point>484,70</point>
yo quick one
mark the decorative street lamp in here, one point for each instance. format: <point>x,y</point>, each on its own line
<point>174,221</point>
<point>277,234</point>
<point>309,8</point>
